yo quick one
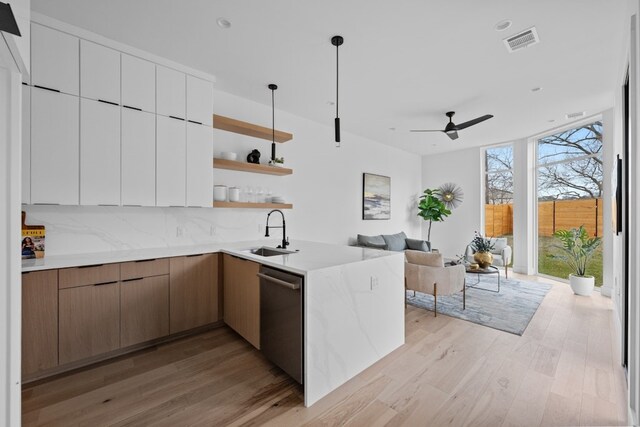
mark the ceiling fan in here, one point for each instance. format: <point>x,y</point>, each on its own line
<point>452,129</point>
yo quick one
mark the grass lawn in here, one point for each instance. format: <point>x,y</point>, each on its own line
<point>549,264</point>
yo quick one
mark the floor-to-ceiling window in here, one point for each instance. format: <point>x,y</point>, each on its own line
<point>569,193</point>
<point>498,194</point>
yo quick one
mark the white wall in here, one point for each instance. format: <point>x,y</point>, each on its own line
<point>463,168</point>
<point>325,188</point>
<point>11,64</point>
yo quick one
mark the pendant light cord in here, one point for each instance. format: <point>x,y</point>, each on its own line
<point>337,78</point>
<point>273,118</point>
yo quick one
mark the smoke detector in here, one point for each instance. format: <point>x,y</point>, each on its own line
<point>575,115</point>
<point>521,40</point>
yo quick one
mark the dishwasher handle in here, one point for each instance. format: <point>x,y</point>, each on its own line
<point>292,286</point>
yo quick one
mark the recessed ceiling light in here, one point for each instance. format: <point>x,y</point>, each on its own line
<point>433,145</point>
<point>575,115</point>
<point>392,128</point>
<point>551,120</point>
<point>503,25</point>
<point>331,103</point>
<point>536,89</point>
<point>223,23</point>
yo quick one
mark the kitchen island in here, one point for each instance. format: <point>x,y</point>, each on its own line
<point>353,300</point>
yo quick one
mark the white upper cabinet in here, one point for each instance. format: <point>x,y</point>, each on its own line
<point>199,101</point>
<point>55,60</point>
<point>138,158</point>
<point>99,72</point>
<point>55,148</point>
<point>199,165</point>
<point>171,92</point>
<point>138,83</point>
<point>99,153</point>
<point>170,162</point>
<point>26,144</point>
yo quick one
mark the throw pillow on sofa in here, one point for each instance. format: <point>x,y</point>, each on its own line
<point>396,242</point>
<point>376,242</point>
<point>419,245</point>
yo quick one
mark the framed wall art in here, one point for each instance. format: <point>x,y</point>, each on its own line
<point>376,196</point>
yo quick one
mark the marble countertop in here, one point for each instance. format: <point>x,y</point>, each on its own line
<point>309,256</point>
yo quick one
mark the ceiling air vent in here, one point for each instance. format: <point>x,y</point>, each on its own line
<point>575,115</point>
<point>521,40</point>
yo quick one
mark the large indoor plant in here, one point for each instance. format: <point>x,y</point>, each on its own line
<point>576,250</point>
<point>482,250</point>
<point>432,209</point>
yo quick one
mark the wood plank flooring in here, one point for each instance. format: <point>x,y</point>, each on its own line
<point>564,370</point>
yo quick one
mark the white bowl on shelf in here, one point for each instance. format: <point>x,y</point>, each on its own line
<point>228,155</point>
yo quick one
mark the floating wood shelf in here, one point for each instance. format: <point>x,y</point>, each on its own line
<point>249,129</point>
<point>252,205</point>
<point>250,167</point>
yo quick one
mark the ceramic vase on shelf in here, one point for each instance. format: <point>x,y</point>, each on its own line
<point>484,259</point>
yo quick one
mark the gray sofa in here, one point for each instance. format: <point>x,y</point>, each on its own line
<point>393,242</point>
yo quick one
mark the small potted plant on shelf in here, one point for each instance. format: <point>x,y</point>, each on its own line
<point>577,249</point>
<point>482,250</point>
<point>278,162</point>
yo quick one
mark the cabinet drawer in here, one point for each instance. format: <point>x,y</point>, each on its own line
<point>144,268</point>
<point>88,275</point>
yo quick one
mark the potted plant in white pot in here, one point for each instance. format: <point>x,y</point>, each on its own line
<point>577,249</point>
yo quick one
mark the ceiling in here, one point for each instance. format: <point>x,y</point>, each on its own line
<point>404,63</point>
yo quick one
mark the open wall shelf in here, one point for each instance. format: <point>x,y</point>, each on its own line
<point>249,129</point>
<point>250,167</point>
<point>245,205</point>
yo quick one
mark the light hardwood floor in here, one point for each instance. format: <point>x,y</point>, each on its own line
<point>564,370</point>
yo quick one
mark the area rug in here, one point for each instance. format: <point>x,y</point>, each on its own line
<point>510,310</point>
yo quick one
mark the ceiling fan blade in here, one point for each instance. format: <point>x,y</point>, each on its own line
<point>452,135</point>
<point>473,122</point>
<point>425,130</point>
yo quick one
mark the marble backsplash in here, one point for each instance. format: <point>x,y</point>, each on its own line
<point>91,229</point>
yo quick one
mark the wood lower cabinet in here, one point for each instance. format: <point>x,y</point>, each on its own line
<point>242,298</point>
<point>144,309</point>
<point>89,321</point>
<point>193,291</point>
<point>39,321</point>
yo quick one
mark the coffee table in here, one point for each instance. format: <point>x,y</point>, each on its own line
<point>479,271</point>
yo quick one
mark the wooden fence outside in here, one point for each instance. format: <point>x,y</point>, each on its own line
<point>552,216</point>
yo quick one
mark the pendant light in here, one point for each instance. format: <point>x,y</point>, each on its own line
<point>273,88</point>
<point>337,42</point>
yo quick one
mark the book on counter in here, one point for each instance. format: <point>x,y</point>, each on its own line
<point>32,240</point>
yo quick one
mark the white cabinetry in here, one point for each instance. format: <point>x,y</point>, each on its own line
<point>26,144</point>
<point>171,92</point>
<point>99,72</point>
<point>54,60</point>
<point>199,162</point>
<point>138,158</point>
<point>170,162</point>
<point>99,153</point>
<point>138,83</point>
<point>199,101</point>
<point>54,148</point>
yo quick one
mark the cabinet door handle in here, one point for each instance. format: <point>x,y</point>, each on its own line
<point>132,108</point>
<point>145,260</point>
<point>194,255</point>
<point>46,88</point>
<point>106,283</point>
<point>177,118</point>
<point>91,266</point>
<point>289,285</point>
<point>108,102</point>
<point>193,121</point>
<point>133,280</point>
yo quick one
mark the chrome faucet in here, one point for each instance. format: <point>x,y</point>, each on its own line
<point>285,239</point>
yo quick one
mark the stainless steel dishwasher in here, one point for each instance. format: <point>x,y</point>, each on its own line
<point>281,320</point>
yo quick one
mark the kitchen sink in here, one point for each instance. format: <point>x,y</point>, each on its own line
<point>267,251</point>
